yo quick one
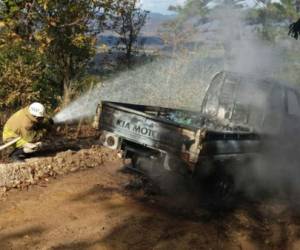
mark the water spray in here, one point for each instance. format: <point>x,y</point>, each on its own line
<point>170,83</point>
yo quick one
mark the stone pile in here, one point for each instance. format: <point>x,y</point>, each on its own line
<point>16,175</point>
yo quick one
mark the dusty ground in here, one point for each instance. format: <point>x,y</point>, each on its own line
<point>93,209</point>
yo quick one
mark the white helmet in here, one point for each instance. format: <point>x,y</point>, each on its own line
<point>37,109</point>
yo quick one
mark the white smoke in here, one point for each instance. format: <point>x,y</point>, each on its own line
<point>244,51</point>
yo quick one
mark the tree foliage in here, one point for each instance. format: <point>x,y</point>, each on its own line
<point>127,21</point>
<point>69,37</point>
<point>191,8</point>
<point>19,60</point>
<point>45,44</point>
<point>274,17</point>
<point>294,29</point>
<point>188,16</point>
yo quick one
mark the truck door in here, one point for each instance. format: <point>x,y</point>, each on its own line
<point>274,111</point>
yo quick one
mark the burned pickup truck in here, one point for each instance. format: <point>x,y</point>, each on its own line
<point>237,115</point>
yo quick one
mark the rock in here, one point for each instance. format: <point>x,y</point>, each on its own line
<point>19,175</point>
<point>60,160</point>
<point>74,169</point>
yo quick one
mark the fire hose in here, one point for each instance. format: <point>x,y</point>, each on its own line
<point>4,146</point>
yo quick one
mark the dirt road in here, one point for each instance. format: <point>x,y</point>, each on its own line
<point>92,209</point>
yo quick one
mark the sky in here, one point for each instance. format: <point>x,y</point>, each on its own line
<point>160,6</point>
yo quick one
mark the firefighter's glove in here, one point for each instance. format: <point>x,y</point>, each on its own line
<point>29,148</point>
<point>32,147</point>
<point>39,145</point>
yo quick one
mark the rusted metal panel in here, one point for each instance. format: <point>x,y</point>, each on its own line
<point>146,130</point>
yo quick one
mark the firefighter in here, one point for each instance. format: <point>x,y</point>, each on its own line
<point>30,124</point>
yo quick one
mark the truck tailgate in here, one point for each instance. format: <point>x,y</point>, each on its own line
<point>146,129</point>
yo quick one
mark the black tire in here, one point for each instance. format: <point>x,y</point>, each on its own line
<point>219,191</point>
<point>135,161</point>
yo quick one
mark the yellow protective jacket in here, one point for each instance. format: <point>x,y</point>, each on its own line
<point>22,124</point>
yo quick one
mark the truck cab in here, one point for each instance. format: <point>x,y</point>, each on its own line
<point>262,105</point>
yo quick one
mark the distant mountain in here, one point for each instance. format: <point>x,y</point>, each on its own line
<point>154,22</point>
<point>149,34</point>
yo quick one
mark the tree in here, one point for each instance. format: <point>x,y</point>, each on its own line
<point>70,27</point>
<point>20,64</point>
<point>127,21</point>
<point>71,39</point>
<point>274,16</point>
<point>191,8</point>
<point>57,35</point>
<point>47,45</point>
<point>178,31</point>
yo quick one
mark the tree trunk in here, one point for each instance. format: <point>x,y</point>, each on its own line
<point>128,53</point>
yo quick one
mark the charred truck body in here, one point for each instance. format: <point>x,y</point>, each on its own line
<point>238,114</point>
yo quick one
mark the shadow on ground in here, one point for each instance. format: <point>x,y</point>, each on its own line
<point>29,238</point>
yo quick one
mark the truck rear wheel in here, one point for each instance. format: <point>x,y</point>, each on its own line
<point>219,191</point>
